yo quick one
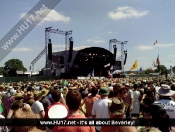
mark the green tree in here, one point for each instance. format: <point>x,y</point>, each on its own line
<point>14,64</point>
<point>161,69</point>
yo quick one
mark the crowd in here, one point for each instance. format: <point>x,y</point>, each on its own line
<point>118,98</point>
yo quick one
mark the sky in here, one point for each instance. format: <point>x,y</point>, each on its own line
<point>95,23</point>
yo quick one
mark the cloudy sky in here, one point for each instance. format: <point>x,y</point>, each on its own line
<point>94,23</point>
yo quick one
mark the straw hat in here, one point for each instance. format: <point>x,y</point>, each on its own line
<point>165,90</point>
<point>117,106</point>
<point>44,92</point>
<point>18,95</point>
<point>37,93</point>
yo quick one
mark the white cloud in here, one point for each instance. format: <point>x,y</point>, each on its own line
<point>109,32</point>
<point>172,55</point>
<point>96,41</point>
<point>151,47</point>
<point>165,45</point>
<point>144,47</point>
<point>22,49</point>
<point>53,16</point>
<point>126,12</point>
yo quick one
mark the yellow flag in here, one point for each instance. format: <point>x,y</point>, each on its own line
<point>135,65</point>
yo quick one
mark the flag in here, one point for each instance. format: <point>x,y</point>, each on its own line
<point>155,42</point>
<point>140,70</point>
<point>150,69</point>
<point>157,61</point>
<point>107,65</point>
<point>171,67</point>
<point>92,73</point>
<point>31,68</point>
<point>135,65</point>
<point>154,65</point>
<point>171,71</point>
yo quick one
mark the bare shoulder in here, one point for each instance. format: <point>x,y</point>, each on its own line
<point>127,129</point>
<point>173,129</point>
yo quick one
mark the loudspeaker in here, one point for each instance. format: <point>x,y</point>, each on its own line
<point>125,58</point>
<point>118,65</point>
<point>115,52</point>
<point>50,51</point>
<point>70,51</point>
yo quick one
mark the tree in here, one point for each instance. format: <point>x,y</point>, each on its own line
<point>14,64</point>
<point>161,69</point>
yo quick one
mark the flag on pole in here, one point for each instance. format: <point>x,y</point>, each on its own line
<point>155,42</point>
<point>140,70</point>
<point>150,69</point>
<point>158,61</point>
<point>135,65</point>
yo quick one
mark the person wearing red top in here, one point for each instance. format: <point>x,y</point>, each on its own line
<point>56,97</point>
<point>73,101</point>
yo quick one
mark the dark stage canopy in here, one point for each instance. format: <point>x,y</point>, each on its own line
<point>89,59</point>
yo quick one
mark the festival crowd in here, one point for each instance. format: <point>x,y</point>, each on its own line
<point>107,98</point>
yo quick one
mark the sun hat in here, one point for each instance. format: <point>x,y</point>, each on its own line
<point>165,90</point>
<point>37,93</point>
<point>117,106</point>
<point>44,92</point>
<point>18,95</point>
<point>104,91</point>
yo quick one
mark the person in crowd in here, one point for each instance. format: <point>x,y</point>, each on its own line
<point>136,102</point>
<point>117,110</point>
<point>129,100</point>
<point>73,101</point>
<point>46,102</point>
<point>121,91</point>
<point>37,106</point>
<point>147,102</point>
<point>160,118</point>
<point>100,107</point>
<point>165,94</point>
<point>61,96</point>
<point>89,101</point>
<point>56,98</point>
<point>20,110</point>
